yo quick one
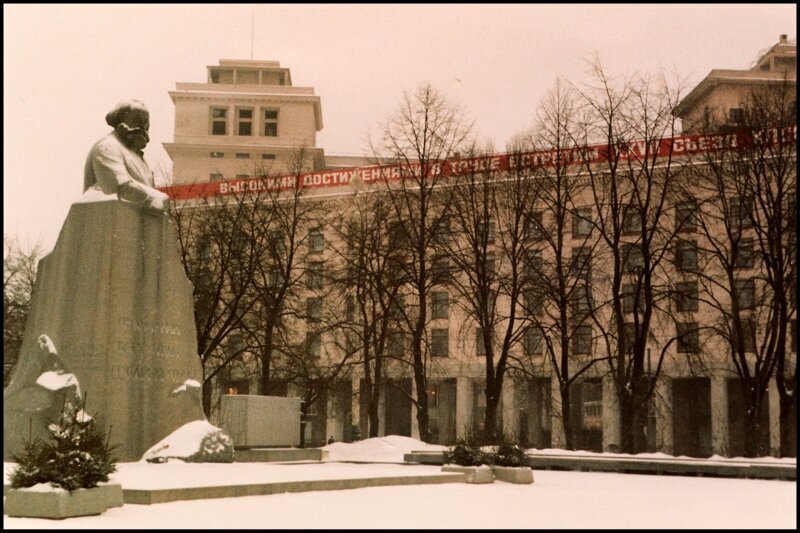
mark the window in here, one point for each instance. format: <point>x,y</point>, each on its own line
<point>350,308</point>
<point>443,233</point>
<point>748,336</point>
<point>316,241</point>
<point>686,217</point>
<point>592,393</point>
<point>270,123</point>
<point>686,296</point>
<point>267,156</point>
<point>741,211</point>
<point>486,229</point>
<point>582,263</point>
<point>534,302</point>
<point>314,309</point>
<point>582,222</point>
<point>440,269</point>
<point>582,340</point>
<point>581,301</point>
<point>440,304</point>
<point>480,348</point>
<point>629,337</point>
<point>217,155</point>
<point>396,344</point>
<point>632,259</point>
<point>215,176</point>
<point>275,277</point>
<point>532,342</point>
<point>735,116</point>
<point>314,275</point>
<point>242,156</point>
<point>440,341</point>
<point>533,265</point>
<point>629,299</point>
<point>398,306</point>
<point>244,124</point>
<point>630,221</point>
<point>276,242</point>
<point>313,344</point>
<point>535,225</point>
<point>219,121</point>
<point>490,264</point>
<point>688,337</point>
<point>686,256</point>
<point>744,254</point>
<point>241,176</point>
<point>745,293</point>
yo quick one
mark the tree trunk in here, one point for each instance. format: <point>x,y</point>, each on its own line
<point>788,426</point>
<point>207,388</point>
<point>372,409</point>
<point>566,417</point>
<point>266,360</point>
<point>491,435</point>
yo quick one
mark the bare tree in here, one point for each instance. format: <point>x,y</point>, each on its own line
<point>415,142</point>
<point>19,278</point>
<point>747,220</point>
<point>630,195</point>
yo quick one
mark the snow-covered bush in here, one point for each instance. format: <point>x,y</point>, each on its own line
<point>509,455</point>
<point>76,455</point>
<point>465,453</point>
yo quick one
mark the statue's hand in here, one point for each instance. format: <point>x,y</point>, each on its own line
<point>150,200</point>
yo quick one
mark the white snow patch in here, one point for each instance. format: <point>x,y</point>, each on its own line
<point>182,442</point>
<point>42,487</point>
<point>389,449</point>
<point>56,380</point>
<point>94,194</point>
<point>185,386</point>
<point>46,343</point>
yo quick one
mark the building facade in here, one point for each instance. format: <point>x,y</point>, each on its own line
<point>248,120</point>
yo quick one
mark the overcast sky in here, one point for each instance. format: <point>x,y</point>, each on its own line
<point>66,66</point>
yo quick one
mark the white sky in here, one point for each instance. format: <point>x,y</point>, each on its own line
<point>65,66</point>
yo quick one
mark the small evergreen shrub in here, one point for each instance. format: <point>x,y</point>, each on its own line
<point>509,455</point>
<point>465,453</point>
<point>77,455</point>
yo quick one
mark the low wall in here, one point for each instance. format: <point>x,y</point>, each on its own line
<point>259,421</point>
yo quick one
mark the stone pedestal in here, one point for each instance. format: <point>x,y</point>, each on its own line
<point>261,421</point>
<point>115,301</point>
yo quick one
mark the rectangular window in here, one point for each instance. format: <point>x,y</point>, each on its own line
<point>440,342</point>
<point>686,256</point>
<point>748,336</point>
<point>745,293</point>
<point>316,241</point>
<point>217,155</point>
<point>582,340</point>
<point>215,176</point>
<point>632,259</point>
<point>744,254</point>
<point>350,308</point>
<point>736,116</point>
<point>535,225</point>
<point>592,396</point>
<point>741,212</point>
<point>275,277</point>
<point>270,123</point>
<point>276,243</point>
<point>688,337</point>
<point>533,302</point>
<point>532,268</point>
<point>398,306</point>
<point>440,269</point>
<point>686,296</point>
<point>631,224</point>
<point>242,156</point>
<point>219,121</point>
<point>686,217</point>
<point>630,336</point>
<point>480,348</point>
<point>244,124</point>
<point>313,344</point>
<point>314,275</point>
<point>442,234</point>
<point>267,156</point>
<point>440,304</point>
<point>532,342</point>
<point>314,309</point>
<point>241,176</point>
<point>396,344</point>
<point>486,230</point>
<point>582,263</point>
<point>581,301</point>
<point>582,222</point>
<point>629,299</point>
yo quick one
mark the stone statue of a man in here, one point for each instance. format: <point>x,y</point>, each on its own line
<point>115,164</point>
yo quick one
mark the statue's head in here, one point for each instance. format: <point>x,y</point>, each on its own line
<point>131,120</point>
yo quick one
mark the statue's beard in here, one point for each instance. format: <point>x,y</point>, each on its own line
<point>134,138</point>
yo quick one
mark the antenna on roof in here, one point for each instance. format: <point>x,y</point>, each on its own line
<point>252,31</point>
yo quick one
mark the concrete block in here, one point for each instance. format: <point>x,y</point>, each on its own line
<point>522,475</point>
<point>59,504</point>
<point>475,474</point>
<point>258,421</point>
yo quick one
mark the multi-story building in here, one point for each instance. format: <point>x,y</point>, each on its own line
<point>249,113</point>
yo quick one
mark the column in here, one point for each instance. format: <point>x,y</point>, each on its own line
<point>557,423</point>
<point>355,406</point>
<point>510,415</point>
<point>414,424</point>
<point>774,399</point>
<point>719,415</point>
<point>464,401</point>
<point>663,407</point>
<point>333,426</point>
<point>382,411</point>
<point>611,416</point>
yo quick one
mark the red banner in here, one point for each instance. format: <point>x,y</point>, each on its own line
<point>586,155</point>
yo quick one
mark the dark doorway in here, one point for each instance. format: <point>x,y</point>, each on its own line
<point>691,417</point>
<point>736,414</point>
<point>398,408</point>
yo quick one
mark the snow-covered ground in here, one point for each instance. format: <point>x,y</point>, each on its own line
<point>555,500</point>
